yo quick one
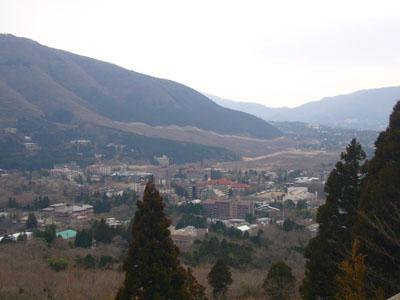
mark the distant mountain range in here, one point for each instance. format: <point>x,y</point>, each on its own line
<point>365,109</point>
<point>53,98</point>
<point>41,81</point>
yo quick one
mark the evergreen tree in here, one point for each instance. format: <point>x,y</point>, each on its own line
<point>280,282</point>
<point>220,278</point>
<point>105,261</point>
<point>83,239</point>
<point>378,226</point>
<point>102,232</point>
<point>31,222</point>
<point>12,203</point>
<point>196,290</point>
<point>89,262</point>
<point>49,233</point>
<point>336,219</point>
<point>152,267</point>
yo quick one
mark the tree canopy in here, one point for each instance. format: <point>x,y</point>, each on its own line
<point>336,220</point>
<point>220,278</point>
<point>152,268</point>
<point>280,282</point>
<point>31,222</point>
<point>378,226</point>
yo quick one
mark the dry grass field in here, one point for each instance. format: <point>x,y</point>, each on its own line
<point>26,274</point>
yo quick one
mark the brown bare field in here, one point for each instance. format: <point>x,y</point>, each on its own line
<point>25,273</point>
<point>245,146</point>
<point>294,159</point>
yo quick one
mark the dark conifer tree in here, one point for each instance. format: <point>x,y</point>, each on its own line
<point>31,223</point>
<point>196,290</point>
<point>378,226</point>
<point>336,219</point>
<point>280,282</point>
<point>83,239</point>
<point>102,232</point>
<point>152,267</point>
<point>220,278</point>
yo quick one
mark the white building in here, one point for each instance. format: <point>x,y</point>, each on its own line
<point>163,160</point>
<point>298,193</point>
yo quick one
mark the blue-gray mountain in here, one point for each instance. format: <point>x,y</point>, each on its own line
<point>365,109</point>
<point>38,80</point>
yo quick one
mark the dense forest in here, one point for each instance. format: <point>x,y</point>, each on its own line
<point>55,145</point>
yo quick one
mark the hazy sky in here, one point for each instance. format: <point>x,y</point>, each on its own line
<point>279,53</point>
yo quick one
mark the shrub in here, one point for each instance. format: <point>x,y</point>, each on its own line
<point>105,261</point>
<point>57,263</point>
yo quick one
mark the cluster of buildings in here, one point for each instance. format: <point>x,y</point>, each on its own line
<point>227,186</point>
<point>230,196</point>
<point>228,208</point>
<point>62,210</point>
<point>70,170</point>
<point>296,194</point>
<point>185,237</point>
<point>163,160</point>
<point>18,235</point>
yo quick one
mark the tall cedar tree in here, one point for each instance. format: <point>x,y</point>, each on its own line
<point>220,278</point>
<point>336,219</point>
<point>152,267</point>
<point>378,226</point>
<point>280,283</point>
<point>31,222</point>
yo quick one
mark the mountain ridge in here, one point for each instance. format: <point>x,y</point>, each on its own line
<point>51,79</point>
<point>365,109</point>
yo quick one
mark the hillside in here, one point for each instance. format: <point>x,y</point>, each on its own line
<point>256,109</point>
<point>365,109</point>
<point>41,81</point>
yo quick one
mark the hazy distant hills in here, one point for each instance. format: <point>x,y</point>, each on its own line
<point>365,109</point>
<point>259,110</point>
<point>41,81</point>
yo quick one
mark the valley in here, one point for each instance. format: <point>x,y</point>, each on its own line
<point>98,162</point>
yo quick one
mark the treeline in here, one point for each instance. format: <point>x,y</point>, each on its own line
<point>102,203</point>
<point>190,215</point>
<point>234,233</point>
<point>356,253</point>
<point>101,233</point>
<point>55,147</point>
<point>87,262</point>
<point>191,220</point>
<point>211,249</point>
<point>38,203</point>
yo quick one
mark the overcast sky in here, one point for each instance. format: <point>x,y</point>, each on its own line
<point>279,53</point>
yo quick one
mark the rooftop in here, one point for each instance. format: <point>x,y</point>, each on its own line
<point>67,234</point>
